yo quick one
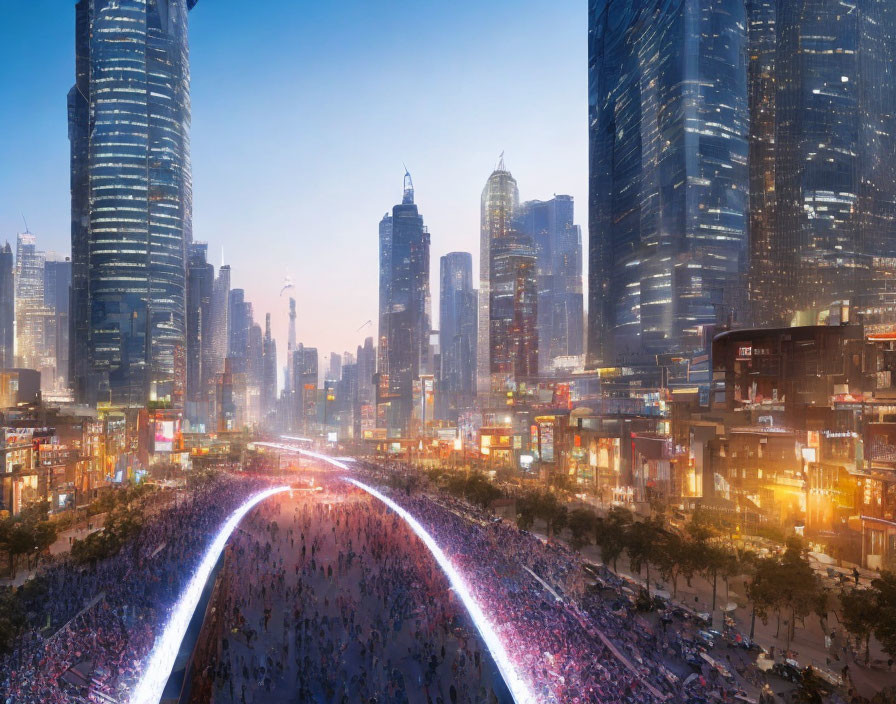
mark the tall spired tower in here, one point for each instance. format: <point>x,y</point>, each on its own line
<point>500,201</point>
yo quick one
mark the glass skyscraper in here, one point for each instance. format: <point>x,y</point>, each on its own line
<point>457,332</point>
<point>499,203</point>
<point>558,249</point>
<point>668,173</point>
<point>129,121</point>
<point>405,329</point>
<point>831,234</point>
<point>7,308</point>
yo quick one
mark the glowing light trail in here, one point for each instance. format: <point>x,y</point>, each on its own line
<point>519,689</point>
<point>164,653</point>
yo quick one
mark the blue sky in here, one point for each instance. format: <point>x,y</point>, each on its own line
<point>303,113</point>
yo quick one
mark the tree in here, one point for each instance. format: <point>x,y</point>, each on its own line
<point>610,533</point>
<point>763,590</point>
<point>800,587</point>
<point>641,544</point>
<point>860,615</point>
<point>525,511</point>
<point>581,526</point>
<point>885,595</point>
<point>675,558</point>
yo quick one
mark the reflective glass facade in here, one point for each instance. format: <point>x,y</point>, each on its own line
<point>834,230</point>
<point>129,120</point>
<point>499,203</point>
<point>457,332</point>
<point>558,248</point>
<point>407,314</point>
<point>668,173</point>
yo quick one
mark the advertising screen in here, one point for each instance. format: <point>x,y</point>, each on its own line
<point>164,438</point>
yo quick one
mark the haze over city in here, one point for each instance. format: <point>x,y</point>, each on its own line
<point>465,353</point>
<point>298,146</point>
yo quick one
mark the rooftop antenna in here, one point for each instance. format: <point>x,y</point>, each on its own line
<point>27,231</point>
<point>500,166</point>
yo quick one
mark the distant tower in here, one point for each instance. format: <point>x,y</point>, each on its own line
<point>7,308</point>
<point>269,382</point>
<point>290,343</point>
<point>500,201</point>
<point>404,312</point>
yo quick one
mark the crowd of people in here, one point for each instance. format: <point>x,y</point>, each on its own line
<point>570,646</point>
<point>326,597</point>
<point>91,626</point>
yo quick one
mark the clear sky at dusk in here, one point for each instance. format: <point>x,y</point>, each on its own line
<point>303,113</point>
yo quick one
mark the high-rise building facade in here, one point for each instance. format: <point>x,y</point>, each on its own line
<point>220,326</point>
<point>668,174</point>
<point>305,366</point>
<point>406,324</point>
<point>57,290</point>
<point>558,249</point>
<point>513,312</point>
<point>830,234</point>
<point>7,308</point>
<point>129,120</point>
<point>200,287</point>
<point>457,333</point>
<point>498,206</point>
<point>269,371</point>
<point>35,320</point>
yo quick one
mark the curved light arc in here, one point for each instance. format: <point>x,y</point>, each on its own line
<point>161,660</point>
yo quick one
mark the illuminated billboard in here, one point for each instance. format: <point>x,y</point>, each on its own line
<point>164,435</point>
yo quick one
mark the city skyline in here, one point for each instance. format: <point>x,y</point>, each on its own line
<point>287,201</point>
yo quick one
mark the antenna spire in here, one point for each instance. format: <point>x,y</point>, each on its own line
<point>408,187</point>
<point>500,166</point>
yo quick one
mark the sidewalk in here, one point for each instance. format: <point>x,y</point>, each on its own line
<point>808,641</point>
<point>62,545</point>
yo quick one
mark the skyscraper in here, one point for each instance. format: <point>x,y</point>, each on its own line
<point>457,332</point>
<point>500,200</point>
<point>668,174</point>
<point>385,286</point>
<point>407,313</point>
<point>558,250</point>
<point>200,286</point>
<point>832,231</point>
<point>305,365</point>
<point>7,308</point>
<point>57,286</point>
<point>269,372</point>
<point>220,327</point>
<point>513,312</point>
<point>240,322</point>
<point>129,120</point>
<point>35,321</point>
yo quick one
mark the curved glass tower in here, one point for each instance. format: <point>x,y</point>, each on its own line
<point>668,173</point>
<point>129,122</point>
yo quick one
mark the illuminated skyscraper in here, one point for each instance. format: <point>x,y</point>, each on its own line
<point>7,308</point>
<point>558,249</point>
<point>35,321</point>
<point>269,371</point>
<point>57,289</point>
<point>832,231</point>
<point>406,323</point>
<point>500,200</point>
<point>457,332</point>
<point>129,120</point>
<point>668,173</point>
<point>200,286</point>
<point>220,327</point>
<point>513,311</point>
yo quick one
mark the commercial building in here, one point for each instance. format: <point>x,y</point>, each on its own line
<point>558,250</point>
<point>668,180</point>
<point>7,307</point>
<point>129,121</point>
<point>405,314</point>
<point>457,334</point>
<point>498,207</point>
<point>831,233</point>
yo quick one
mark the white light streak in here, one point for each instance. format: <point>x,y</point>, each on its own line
<point>164,653</point>
<point>519,689</point>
